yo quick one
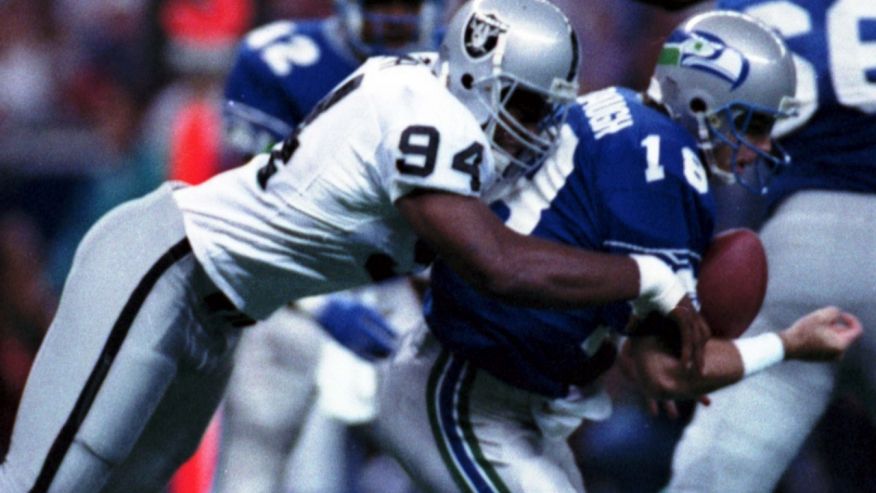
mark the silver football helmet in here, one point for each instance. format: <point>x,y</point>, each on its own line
<point>514,65</point>
<point>374,33</point>
<point>725,75</point>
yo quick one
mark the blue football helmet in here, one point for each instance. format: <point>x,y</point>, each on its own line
<point>380,27</point>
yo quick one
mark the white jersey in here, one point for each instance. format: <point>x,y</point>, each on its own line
<point>271,232</point>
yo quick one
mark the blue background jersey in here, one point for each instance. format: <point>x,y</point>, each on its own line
<point>281,72</point>
<point>625,179</point>
<point>833,147</point>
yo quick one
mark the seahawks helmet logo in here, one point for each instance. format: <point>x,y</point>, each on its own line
<point>707,52</point>
<point>482,34</point>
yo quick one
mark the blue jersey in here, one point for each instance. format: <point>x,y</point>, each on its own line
<point>625,179</point>
<point>833,140</point>
<point>282,71</point>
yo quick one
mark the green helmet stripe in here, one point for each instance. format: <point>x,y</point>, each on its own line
<point>669,55</point>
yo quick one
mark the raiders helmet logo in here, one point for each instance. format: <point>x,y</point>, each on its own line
<point>482,35</point>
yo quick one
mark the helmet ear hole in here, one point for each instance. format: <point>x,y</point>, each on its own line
<point>467,81</point>
<point>697,105</point>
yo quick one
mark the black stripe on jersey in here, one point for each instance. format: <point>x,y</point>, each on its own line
<point>114,342</point>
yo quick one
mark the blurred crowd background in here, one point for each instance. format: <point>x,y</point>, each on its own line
<point>101,100</point>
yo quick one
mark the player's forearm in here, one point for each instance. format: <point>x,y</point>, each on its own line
<point>822,335</point>
<point>662,376</point>
<point>537,272</point>
<point>723,366</point>
<point>533,271</point>
<point>528,270</point>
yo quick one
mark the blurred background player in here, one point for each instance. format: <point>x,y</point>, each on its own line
<point>819,236</point>
<point>495,390</point>
<point>287,372</point>
<point>284,68</point>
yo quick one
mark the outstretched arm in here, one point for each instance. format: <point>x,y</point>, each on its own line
<point>516,268</point>
<point>822,335</point>
<point>526,270</point>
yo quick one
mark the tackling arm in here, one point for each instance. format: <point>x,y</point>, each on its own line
<point>527,270</point>
<point>513,267</point>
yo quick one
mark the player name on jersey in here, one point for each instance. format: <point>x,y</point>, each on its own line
<point>607,112</point>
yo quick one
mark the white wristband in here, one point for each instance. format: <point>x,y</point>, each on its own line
<point>659,287</point>
<point>760,352</point>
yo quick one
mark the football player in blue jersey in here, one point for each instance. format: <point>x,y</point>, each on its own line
<point>284,68</point>
<point>819,238</point>
<point>484,399</point>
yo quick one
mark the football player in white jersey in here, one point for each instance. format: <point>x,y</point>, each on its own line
<point>294,391</point>
<point>392,165</point>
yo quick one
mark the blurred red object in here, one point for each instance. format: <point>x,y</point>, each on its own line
<point>196,141</point>
<point>196,475</point>
<point>207,21</point>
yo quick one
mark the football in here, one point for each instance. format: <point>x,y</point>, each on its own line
<point>732,282</point>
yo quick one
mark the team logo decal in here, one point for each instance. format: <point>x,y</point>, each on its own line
<point>706,52</point>
<point>482,35</point>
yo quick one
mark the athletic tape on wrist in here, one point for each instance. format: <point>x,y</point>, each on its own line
<point>659,287</point>
<point>760,352</point>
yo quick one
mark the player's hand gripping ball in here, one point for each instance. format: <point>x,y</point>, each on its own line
<point>732,282</point>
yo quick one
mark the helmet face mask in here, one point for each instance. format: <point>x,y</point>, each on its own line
<point>514,65</point>
<point>525,130</point>
<point>736,127</point>
<point>381,27</point>
<point>727,78</point>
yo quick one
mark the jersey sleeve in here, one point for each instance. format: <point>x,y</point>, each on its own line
<point>430,140</point>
